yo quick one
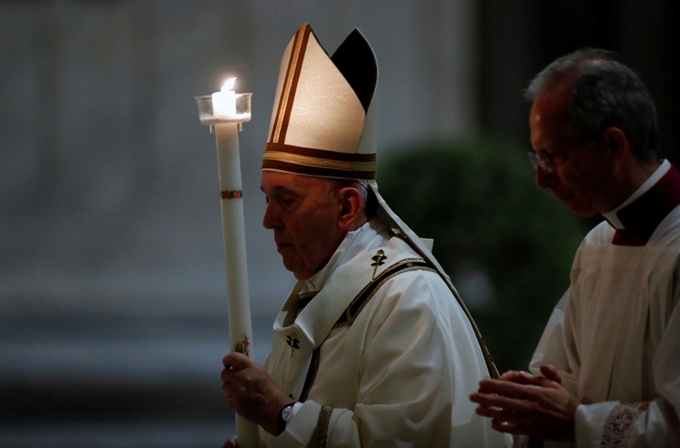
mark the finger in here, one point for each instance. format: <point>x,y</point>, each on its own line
<point>228,376</point>
<point>488,385</point>
<point>236,361</point>
<point>230,384</point>
<point>502,402</point>
<point>510,375</point>
<point>533,380</point>
<point>503,426</point>
<point>510,388</point>
<point>228,389</point>
<point>522,378</point>
<point>530,379</point>
<point>502,415</point>
<point>493,401</point>
<point>551,373</point>
<point>486,411</point>
<point>239,391</point>
<point>230,443</point>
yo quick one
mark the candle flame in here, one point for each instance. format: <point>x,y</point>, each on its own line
<point>228,85</point>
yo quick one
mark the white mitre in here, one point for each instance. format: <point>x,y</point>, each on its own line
<point>322,123</point>
<point>323,117</point>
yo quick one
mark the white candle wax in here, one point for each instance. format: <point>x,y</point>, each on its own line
<point>233,222</point>
<point>224,101</point>
<point>234,239</point>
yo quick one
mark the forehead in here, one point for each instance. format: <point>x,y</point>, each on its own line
<point>549,116</point>
<point>273,181</point>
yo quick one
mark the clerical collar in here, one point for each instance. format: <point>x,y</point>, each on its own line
<point>636,219</point>
<point>612,216</point>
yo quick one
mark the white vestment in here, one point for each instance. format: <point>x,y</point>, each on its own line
<point>392,368</point>
<point>615,335</point>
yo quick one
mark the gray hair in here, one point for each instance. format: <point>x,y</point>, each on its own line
<point>370,203</point>
<point>604,92</point>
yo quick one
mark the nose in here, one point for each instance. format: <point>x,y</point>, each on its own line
<point>545,179</point>
<point>270,219</point>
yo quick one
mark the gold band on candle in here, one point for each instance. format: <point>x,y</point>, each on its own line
<point>231,194</point>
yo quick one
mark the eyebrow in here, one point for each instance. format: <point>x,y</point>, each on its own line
<point>280,189</point>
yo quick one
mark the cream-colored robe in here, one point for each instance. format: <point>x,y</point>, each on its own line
<point>615,337</point>
<point>396,371</point>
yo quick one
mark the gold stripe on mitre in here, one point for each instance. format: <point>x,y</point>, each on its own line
<point>319,163</point>
<point>282,118</point>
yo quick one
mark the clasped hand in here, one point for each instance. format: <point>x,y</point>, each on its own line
<point>524,404</point>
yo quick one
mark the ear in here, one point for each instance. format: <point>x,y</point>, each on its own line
<point>618,143</point>
<point>351,204</point>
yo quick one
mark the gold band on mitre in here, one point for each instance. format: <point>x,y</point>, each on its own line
<point>322,123</point>
<point>319,163</point>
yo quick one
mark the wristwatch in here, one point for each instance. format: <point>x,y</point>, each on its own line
<point>284,416</point>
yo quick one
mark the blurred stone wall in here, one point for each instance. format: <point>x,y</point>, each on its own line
<point>109,183</point>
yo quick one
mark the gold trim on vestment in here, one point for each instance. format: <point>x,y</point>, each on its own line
<point>352,311</point>
<point>320,435</point>
<point>369,290</point>
<point>311,374</point>
<point>307,295</point>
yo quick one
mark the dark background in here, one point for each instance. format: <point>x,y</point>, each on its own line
<point>113,311</point>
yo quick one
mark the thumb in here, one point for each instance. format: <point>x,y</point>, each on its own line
<point>550,372</point>
<point>236,361</point>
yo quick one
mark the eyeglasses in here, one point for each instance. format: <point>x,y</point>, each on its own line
<point>546,160</point>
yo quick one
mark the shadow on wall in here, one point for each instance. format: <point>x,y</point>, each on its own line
<point>507,245</point>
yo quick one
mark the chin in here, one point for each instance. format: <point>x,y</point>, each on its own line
<point>297,271</point>
<point>291,267</point>
<point>582,209</point>
<point>583,212</point>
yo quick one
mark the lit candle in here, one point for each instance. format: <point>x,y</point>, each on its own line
<point>227,124</point>
<point>224,101</point>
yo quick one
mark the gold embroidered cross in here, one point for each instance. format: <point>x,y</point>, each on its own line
<point>293,341</point>
<point>378,260</point>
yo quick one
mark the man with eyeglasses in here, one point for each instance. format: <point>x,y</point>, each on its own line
<point>606,371</point>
